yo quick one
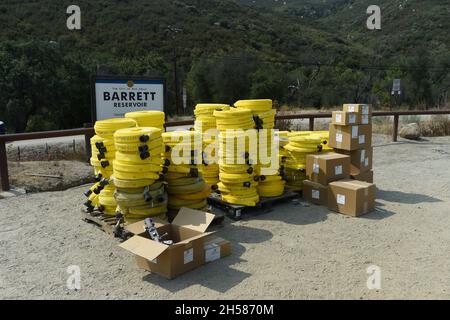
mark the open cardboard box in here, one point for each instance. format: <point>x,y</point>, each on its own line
<point>188,232</point>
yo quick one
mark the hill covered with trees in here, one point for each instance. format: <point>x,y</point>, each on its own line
<point>224,51</point>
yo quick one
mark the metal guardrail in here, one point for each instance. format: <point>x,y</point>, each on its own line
<point>89,132</point>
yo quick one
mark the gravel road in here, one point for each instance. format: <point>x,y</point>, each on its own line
<point>293,252</point>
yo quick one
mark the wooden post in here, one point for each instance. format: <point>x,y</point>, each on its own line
<point>87,146</point>
<point>311,124</point>
<point>395,132</point>
<point>4,167</point>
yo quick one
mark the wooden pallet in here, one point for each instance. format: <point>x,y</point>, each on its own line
<point>107,224</point>
<point>235,212</point>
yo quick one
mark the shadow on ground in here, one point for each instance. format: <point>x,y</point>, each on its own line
<point>404,197</point>
<point>302,213</point>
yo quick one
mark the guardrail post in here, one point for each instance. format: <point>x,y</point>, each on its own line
<point>395,132</point>
<point>311,124</point>
<point>4,167</point>
<point>87,146</point>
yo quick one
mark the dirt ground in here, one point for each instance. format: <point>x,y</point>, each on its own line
<point>293,252</point>
<point>32,175</point>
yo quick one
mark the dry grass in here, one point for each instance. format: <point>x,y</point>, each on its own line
<point>430,126</point>
<point>436,126</point>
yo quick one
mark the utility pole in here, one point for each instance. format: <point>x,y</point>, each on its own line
<point>173,30</point>
<point>175,77</point>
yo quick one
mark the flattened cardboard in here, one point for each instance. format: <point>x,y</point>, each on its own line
<point>315,193</point>
<point>351,197</point>
<point>360,108</point>
<point>327,167</point>
<point>360,160</point>
<point>193,219</point>
<point>343,118</point>
<point>364,176</point>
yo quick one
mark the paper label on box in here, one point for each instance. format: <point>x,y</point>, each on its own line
<point>188,255</point>
<point>352,118</point>
<point>338,118</point>
<point>212,252</point>
<point>365,109</point>
<point>341,199</point>
<point>365,119</point>
<point>315,194</point>
<point>316,168</point>
<point>362,139</point>
<point>363,156</point>
<point>338,137</point>
<point>351,108</point>
<point>338,170</point>
<point>354,132</point>
<point>366,162</point>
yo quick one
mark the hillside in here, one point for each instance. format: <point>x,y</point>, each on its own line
<point>312,53</point>
<point>406,24</point>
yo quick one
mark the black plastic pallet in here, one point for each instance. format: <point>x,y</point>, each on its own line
<point>235,212</point>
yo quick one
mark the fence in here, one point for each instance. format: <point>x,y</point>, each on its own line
<point>89,132</point>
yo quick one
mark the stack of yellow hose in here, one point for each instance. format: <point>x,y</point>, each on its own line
<point>103,155</point>
<point>271,183</point>
<point>185,184</point>
<point>148,118</point>
<point>138,169</point>
<point>301,143</point>
<point>238,180</point>
<point>205,123</point>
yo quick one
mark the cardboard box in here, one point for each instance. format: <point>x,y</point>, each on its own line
<point>351,197</point>
<point>360,160</point>
<point>327,167</point>
<point>359,108</point>
<point>343,118</point>
<point>364,176</point>
<point>365,136</point>
<point>347,137</point>
<point>216,248</point>
<point>315,193</point>
<point>365,118</point>
<point>187,230</point>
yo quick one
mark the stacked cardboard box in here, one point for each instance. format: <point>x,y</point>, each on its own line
<point>321,169</point>
<point>343,180</point>
<point>354,138</point>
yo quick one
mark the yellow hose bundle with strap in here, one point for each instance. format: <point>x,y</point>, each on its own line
<point>148,118</point>
<point>106,128</point>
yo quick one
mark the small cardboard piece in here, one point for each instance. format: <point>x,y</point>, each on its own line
<point>343,118</point>
<point>360,160</point>
<point>188,232</point>
<point>364,176</point>
<point>327,167</point>
<point>351,197</point>
<point>315,193</point>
